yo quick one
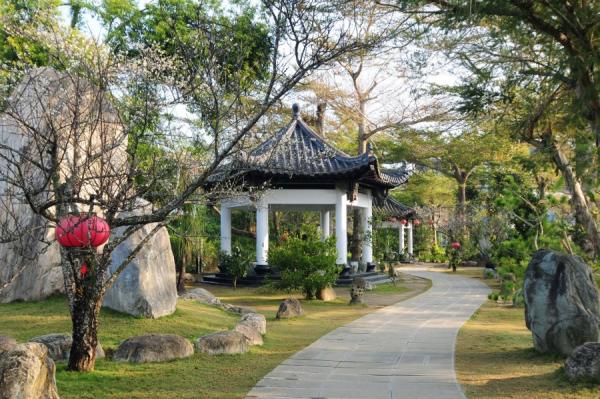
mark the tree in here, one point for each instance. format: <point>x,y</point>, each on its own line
<point>370,91</point>
<point>456,156</point>
<point>95,116</point>
<point>520,51</point>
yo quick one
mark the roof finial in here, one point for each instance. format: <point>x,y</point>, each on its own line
<point>296,110</point>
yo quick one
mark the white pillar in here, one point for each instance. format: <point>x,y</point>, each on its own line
<point>262,233</point>
<point>325,225</point>
<point>410,238</point>
<point>341,239</point>
<point>226,230</point>
<point>401,238</point>
<point>367,250</point>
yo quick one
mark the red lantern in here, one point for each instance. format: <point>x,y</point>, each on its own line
<point>456,245</point>
<point>82,231</point>
<point>403,221</point>
<point>416,222</point>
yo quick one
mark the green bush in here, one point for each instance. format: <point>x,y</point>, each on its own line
<point>305,263</point>
<point>235,265</point>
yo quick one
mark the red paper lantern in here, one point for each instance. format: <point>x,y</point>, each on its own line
<point>403,221</point>
<point>416,222</point>
<point>82,231</point>
<point>456,245</point>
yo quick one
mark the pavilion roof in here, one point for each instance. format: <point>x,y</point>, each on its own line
<point>296,152</point>
<point>390,208</point>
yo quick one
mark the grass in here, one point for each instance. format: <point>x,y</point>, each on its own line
<point>199,376</point>
<point>495,357</point>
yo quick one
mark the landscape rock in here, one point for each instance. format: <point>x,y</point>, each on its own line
<point>7,343</point>
<point>242,310</point>
<point>225,342</point>
<point>189,278</point>
<point>59,346</point>
<point>257,320</point>
<point>31,266</point>
<point>289,308</point>
<point>369,286</point>
<point>562,306</point>
<point>153,348</point>
<point>584,363</point>
<point>27,372</point>
<point>201,295</point>
<point>148,286</point>
<point>326,294</point>
<point>252,335</point>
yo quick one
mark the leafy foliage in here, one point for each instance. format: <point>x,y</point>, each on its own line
<point>305,263</point>
<point>236,265</point>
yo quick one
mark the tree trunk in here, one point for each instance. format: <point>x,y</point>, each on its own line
<point>579,203</point>
<point>84,318</point>
<point>181,275</point>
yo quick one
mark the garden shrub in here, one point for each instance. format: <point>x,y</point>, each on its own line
<point>234,265</point>
<point>305,263</point>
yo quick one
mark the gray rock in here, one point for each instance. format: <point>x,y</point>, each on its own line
<point>31,266</point>
<point>289,308</point>
<point>238,309</point>
<point>326,294</point>
<point>27,372</point>
<point>7,343</point>
<point>147,287</point>
<point>584,363</point>
<point>369,286</point>
<point>201,295</point>
<point>225,342</point>
<point>252,335</point>
<point>257,320</point>
<point>59,346</point>
<point>153,348</point>
<point>562,306</point>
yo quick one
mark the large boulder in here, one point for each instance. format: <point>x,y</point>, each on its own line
<point>148,286</point>
<point>289,308</point>
<point>225,342</point>
<point>31,266</point>
<point>153,348</point>
<point>59,346</point>
<point>257,320</point>
<point>27,372</point>
<point>201,295</point>
<point>7,343</point>
<point>562,306</point>
<point>584,363</point>
<point>252,335</point>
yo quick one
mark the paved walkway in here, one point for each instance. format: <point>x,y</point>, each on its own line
<point>405,350</point>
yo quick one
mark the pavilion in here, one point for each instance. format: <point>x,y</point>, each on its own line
<point>297,170</point>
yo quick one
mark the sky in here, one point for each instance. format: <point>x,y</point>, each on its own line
<point>395,94</point>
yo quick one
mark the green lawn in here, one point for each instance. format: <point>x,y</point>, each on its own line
<point>495,357</point>
<point>200,376</point>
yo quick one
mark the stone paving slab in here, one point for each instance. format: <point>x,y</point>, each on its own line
<point>402,351</point>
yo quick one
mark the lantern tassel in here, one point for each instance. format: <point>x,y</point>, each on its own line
<point>83,270</point>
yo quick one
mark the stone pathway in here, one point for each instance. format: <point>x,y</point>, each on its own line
<point>405,350</point>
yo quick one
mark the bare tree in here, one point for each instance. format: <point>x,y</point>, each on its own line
<point>78,140</point>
